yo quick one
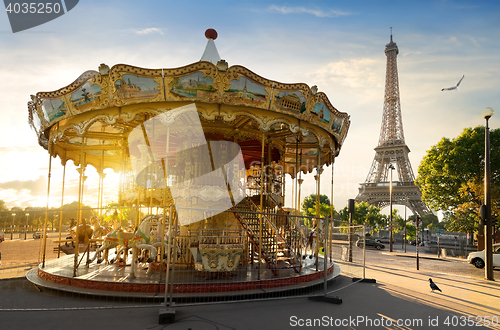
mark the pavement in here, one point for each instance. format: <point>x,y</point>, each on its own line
<point>400,299</point>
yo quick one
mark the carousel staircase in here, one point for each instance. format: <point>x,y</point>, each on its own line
<point>274,247</point>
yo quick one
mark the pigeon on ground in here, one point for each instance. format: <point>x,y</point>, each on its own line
<point>454,88</point>
<point>434,286</point>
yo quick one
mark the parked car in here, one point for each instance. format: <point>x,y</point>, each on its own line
<point>2,236</point>
<point>37,234</point>
<point>413,241</point>
<point>384,239</point>
<point>369,243</point>
<point>477,258</point>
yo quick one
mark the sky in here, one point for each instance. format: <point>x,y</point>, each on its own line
<point>336,45</point>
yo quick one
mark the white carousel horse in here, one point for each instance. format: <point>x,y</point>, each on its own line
<point>139,239</point>
<point>100,231</point>
<point>156,242</point>
<point>311,242</point>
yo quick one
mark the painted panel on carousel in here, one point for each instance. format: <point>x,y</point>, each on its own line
<point>293,101</point>
<point>53,109</point>
<point>86,97</point>
<point>131,87</point>
<point>193,85</point>
<point>322,112</point>
<point>246,91</point>
<point>337,125</point>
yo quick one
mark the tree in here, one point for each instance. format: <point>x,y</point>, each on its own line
<point>5,215</point>
<point>365,214</point>
<point>310,203</point>
<point>451,176</point>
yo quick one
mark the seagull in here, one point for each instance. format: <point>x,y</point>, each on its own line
<point>454,88</point>
<point>434,286</point>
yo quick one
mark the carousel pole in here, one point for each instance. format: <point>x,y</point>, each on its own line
<point>332,162</point>
<point>79,214</point>
<point>47,209</point>
<point>122,174</point>
<point>138,207</point>
<point>262,159</point>
<point>101,187</point>
<point>169,245</point>
<point>300,181</point>
<point>283,179</point>
<point>318,175</point>
<point>174,252</point>
<point>61,214</point>
<point>162,229</point>
<point>296,174</point>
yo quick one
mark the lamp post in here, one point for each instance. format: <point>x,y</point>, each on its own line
<point>391,167</point>
<point>26,227</point>
<point>488,269</point>
<point>12,228</point>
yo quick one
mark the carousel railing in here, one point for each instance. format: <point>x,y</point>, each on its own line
<point>289,226</point>
<point>274,248</point>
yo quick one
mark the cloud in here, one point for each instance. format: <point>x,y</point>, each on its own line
<point>148,31</point>
<point>362,73</point>
<point>285,10</point>
<point>35,186</point>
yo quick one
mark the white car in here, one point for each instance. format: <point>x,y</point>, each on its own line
<point>477,258</point>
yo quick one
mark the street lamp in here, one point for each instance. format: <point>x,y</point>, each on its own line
<point>12,228</point>
<point>488,269</point>
<point>26,227</point>
<point>391,167</point>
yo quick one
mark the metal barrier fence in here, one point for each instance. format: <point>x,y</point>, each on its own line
<point>253,255</point>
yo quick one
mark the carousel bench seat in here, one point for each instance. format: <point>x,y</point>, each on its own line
<point>219,257</point>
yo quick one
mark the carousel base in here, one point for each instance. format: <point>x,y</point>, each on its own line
<point>118,281</point>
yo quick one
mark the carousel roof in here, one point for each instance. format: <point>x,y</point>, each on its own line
<point>97,112</point>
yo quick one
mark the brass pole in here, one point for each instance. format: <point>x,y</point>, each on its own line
<point>262,159</point>
<point>169,245</point>
<point>332,204</point>
<point>101,187</point>
<point>47,210</point>
<point>79,214</point>
<point>174,252</point>
<point>319,170</point>
<point>299,180</point>
<point>61,214</point>
<point>297,207</point>
<point>162,231</point>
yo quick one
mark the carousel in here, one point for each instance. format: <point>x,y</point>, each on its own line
<point>202,153</point>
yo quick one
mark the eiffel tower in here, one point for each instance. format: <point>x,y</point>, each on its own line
<point>392,150</point>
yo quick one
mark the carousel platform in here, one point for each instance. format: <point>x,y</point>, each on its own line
<point>116,281</point>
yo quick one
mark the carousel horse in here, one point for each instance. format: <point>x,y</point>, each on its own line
<point>99,231</point>
<point>311,242</point>
<point>85,231</point>
<point>156,242</point>
<point>139,239</point>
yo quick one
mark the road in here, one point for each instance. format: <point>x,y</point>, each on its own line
<point>427,262</point>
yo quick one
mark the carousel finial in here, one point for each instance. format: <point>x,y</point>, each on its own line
<point>211,34</point>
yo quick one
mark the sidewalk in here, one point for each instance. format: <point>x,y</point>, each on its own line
<point>399,295</point>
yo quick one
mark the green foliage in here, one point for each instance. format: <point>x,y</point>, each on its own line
<point>461,222</point>
<point>452,172</point>
<point>410,231</point>
<point>310,203</point>
<point>365,214</point>
<point>124,215</point>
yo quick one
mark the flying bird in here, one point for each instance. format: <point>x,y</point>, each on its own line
<point>434,286</point>
<point>454,88</point>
